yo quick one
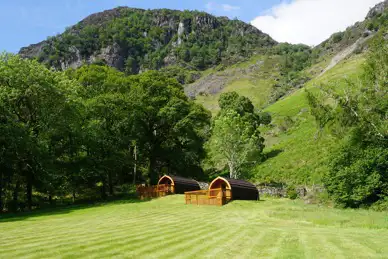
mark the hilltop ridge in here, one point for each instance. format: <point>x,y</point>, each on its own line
<point>135,40</point>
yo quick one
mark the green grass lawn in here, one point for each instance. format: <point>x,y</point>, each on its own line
<point>165,227</point>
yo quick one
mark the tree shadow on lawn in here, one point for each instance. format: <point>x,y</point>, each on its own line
<point>65,209</point>
<point>243,203</point>
<point>272,154</point>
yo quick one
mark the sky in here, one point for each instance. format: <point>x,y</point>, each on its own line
<point>24,22</point>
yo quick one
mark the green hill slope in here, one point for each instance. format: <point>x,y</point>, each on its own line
<point>253,78</point>
<point>165,228</point>
<point>300,154</point>
<point>296,154</point>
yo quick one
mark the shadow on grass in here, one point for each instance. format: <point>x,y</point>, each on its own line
<point>66,209</point>
<point>240,202</point>
<point>272,154</point>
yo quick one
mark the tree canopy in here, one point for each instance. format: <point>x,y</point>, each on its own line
<point>74,132</point>
<point>358,114</point>
<point>235,140</point>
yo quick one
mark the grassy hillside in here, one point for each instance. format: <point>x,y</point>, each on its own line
<point>296,154</point>
<point>253,78</point>
<point>301,155</point>
<point>165,228</point>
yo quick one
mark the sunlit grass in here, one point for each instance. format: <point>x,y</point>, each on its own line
<point>302,154</point>
<point>165,227</point>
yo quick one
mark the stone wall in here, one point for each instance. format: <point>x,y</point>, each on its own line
<point>272,191</point>
<point>280,191</point>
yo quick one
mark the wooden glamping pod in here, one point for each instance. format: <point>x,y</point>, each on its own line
<point>221,191</point>
<point>168,185</point>
<point>178,185</point>
<point>239,189</point>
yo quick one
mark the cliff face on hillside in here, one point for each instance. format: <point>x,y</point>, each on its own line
<point>378,9</point>
<point>134,40</point>
<point>375,20</point>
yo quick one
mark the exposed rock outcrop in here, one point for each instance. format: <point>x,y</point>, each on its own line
<point>378,9</point>
<point>215,82</point>
<point>353,36</point>
<point>112,55</point>
<point>113,36</point>
<point>74,61</point>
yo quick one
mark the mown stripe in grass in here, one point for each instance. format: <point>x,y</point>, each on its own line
<point>379,245</point>
<point>204,246</point>
<point>186,244</point>
<point>59,241</point>
<point>71,227</point>
<point>356,248</point>
<point>269,245</point>
<point>290,247</point>
<point>103,223</point>
<point>254,238</point>
<point>104,244</point>
<point>162,240</point>
<point>141,230</point>
<point>321,247</point>
<point>140,243</point>
<point>96,236</point>
<point>233,246</point>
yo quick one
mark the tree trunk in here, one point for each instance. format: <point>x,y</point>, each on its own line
<point>50,199</point>
<point>29,192</point>
<point>134,174</point>
<point>1,192</point>
<point>110,182</point>
<point>135,164</point>
<point>153,177</point>
<point>103,192</point>
<point>73,196</point>
<point>232,173</point>
<point>15,197</point>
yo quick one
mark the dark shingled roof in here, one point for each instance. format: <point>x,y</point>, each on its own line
<point>240,183</point>
<point>242,190</point>
<point>183,180</point>
<point>182,184</point>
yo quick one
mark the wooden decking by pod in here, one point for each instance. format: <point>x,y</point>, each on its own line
<point>221,190</point>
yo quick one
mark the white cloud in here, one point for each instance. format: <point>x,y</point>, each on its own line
<point>211,6</point>
<point>228,8</point>
<point>311,21</point>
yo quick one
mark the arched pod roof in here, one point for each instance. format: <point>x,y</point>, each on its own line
<point>164,179</point>
<point>181,184</point>
<point>241,190</point>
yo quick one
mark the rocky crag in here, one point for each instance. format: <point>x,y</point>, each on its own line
<point>134,40</point>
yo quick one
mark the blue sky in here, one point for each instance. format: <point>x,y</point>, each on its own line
<point>23,22</point>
